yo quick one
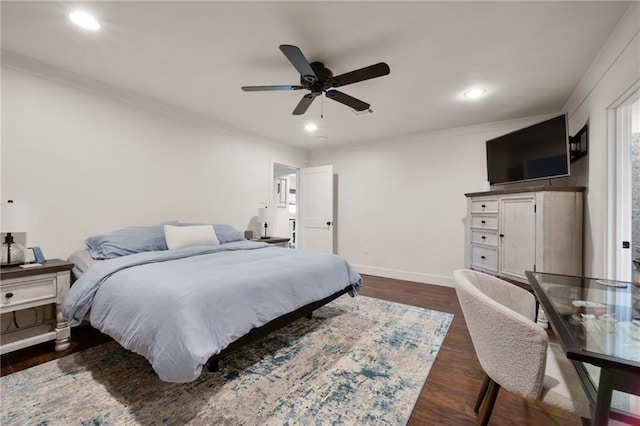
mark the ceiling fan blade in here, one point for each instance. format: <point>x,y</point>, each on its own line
<point>349,101</point>
<point>265,88</point>
<point>304,103</point>
<point>297,59</point>
<point>366,73</point>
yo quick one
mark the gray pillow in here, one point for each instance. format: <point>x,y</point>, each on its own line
<point>225,233</point>
<point>131,240</point>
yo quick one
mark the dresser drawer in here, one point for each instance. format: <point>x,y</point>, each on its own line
<point>488,222</point>
<point>480,236</point>
<point>25,291</point>
<point>484,258</point>
<point>484,206</point>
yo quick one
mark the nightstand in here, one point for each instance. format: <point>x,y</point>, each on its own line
<point>278,241</point>
<point>24,288</point>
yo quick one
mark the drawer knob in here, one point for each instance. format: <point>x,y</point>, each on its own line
<point>8,295</point>
<point>483,222</point>
<point>483,206</point>
<point>501,235</point>
<point>482,257</point>
<point>483,237</point>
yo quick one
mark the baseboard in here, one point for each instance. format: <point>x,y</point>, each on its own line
<point>419,277</point>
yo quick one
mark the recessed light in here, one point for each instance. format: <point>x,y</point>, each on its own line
<point>84,20</point>
<point>311,127</point>
<point>474,93</point>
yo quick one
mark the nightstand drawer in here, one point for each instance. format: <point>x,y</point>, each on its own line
<point>25,291</point>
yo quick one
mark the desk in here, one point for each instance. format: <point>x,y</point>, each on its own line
<point>594,322</point>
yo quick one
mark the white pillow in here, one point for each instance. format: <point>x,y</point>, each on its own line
<point>189,236</point>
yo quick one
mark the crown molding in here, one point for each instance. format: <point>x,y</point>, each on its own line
<point>45,71</point>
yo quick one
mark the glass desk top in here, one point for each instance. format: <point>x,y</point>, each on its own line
<point>597,322</point>
<point>600,317</point>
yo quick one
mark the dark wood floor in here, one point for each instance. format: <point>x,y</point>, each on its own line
<point>452,386</point>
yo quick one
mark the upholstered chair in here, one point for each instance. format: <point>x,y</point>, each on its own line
<point>513,350</point>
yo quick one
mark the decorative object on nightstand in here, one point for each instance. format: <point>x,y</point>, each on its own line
<point>15,218</point>
<point>266,216</point>
<point>25,288</point>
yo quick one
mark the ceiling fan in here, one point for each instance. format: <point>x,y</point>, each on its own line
<point>318,80</point>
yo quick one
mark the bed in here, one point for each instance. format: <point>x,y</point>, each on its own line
<point>183,307</point>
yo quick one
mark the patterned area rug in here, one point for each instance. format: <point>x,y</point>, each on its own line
<point>358,361</point>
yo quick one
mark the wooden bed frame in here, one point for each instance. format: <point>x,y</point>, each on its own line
<point>213,364</point>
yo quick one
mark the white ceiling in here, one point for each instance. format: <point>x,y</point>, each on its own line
<point>196,56</point>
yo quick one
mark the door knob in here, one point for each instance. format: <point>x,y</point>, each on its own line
<point>328,223</point>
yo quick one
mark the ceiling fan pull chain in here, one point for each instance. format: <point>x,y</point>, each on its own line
<point>322,108</point>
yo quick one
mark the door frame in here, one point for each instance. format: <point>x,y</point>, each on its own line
<point>272,194</point>
<point>618,229</point>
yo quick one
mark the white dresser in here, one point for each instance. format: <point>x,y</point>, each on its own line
<point>527,229</point>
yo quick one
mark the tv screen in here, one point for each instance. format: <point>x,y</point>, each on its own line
<point>540,151</point>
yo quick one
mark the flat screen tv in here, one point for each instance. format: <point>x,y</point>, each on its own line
<point>540,151</point>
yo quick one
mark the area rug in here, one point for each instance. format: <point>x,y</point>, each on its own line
<point>358,361</point>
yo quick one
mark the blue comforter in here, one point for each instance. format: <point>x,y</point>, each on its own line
<point>177,308</point>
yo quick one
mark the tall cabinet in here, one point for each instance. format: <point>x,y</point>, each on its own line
<point>527,229</point>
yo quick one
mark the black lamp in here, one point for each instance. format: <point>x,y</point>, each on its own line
<point>266,216</point>
<point>15,218</point>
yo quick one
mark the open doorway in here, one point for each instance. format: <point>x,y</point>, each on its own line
<point>303,204</point>
<point>284,200</point>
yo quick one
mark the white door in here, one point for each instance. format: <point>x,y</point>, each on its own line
<point>315,231</point>
<point>517,236</point>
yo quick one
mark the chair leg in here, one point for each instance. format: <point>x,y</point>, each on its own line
<point>482,394</point>
<point>489,402</point>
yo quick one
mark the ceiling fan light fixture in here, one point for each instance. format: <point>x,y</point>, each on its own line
<point>311,127</point>
<point>474,93</point>
<point>84,20</point>
<point>319,80</point>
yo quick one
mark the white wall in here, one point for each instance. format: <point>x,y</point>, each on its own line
<point>401,204</point>
<point>89,164</point>
<point>401,208</point>
<point>613,72</point>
